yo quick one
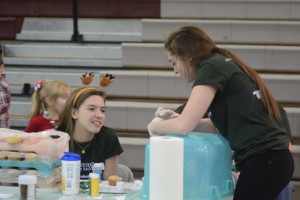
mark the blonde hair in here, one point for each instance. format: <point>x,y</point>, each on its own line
<point>191,42</point>
<point>74,101</point>
<point>49,88</point>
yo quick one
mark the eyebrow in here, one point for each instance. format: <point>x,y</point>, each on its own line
<point>96,106</point>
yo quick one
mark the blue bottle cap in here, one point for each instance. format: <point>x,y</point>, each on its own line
<point>70,156</point>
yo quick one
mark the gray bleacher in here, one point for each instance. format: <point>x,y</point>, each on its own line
<point>231,9</point>
<point>61,29</point>
<point>134,116</point>
<point>265,34</point>
<point>260,57</point>
<point>63,54</point>
<point>228,31</point>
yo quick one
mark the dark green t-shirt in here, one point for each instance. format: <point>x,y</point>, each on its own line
<point>238,112</point>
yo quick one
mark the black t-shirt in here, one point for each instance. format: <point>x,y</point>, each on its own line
<point>104,145</point>
<point>238,112</point>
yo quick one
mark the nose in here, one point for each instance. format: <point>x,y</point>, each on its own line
<point>99,113</point>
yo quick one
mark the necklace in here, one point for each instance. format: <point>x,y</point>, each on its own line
<point>52,122</point>
<point>82,149</point>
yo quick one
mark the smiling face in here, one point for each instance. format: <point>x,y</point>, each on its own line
<point>90,116</point>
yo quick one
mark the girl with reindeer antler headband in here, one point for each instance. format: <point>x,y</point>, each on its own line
<point>83,119</point>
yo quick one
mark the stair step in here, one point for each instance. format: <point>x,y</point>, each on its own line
<point>63,54</point>
<point>61,29</point>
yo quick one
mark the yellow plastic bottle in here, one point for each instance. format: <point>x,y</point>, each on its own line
<point>94,184</point>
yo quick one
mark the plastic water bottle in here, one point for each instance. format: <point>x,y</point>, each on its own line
<point>70,173</point>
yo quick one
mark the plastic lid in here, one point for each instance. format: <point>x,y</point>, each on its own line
<point>94,175</point>
<point>69,156</point>
<point>99,165</point>
<point>27,179</point>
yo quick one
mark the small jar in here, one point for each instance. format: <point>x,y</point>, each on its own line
<point>27,184</point>
<point>94,184</point>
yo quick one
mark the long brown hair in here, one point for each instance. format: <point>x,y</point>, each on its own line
<point>74,101</point>
<point>191,42</point>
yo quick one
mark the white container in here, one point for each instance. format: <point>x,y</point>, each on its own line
<point>70,173</point>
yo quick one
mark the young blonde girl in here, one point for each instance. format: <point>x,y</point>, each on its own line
<point>48,100</point>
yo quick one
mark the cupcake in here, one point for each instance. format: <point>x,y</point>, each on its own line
<point>112,180</point>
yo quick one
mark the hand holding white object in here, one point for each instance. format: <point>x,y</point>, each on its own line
<point>165,113</point>
<point>149,126</point>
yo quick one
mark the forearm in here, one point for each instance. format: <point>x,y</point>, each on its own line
<point>173,126</point>
<point>206,126</point>
<point>194,110</point>
<point>111,165</point>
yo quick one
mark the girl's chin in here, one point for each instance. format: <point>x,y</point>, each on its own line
<point>96,130</point>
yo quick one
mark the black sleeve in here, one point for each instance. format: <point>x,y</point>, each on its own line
<point>180,109</point>
<point>209,74</point>
<point>111,142</point>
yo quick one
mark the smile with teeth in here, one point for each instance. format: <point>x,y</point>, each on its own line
<point>97,122</point>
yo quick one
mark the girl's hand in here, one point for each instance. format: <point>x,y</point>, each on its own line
<point>165,113</point>
<point>149,126</point>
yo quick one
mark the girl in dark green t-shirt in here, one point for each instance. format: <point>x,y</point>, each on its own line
<point>239,106</point>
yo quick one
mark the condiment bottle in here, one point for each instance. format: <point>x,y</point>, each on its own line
<point>27,184</point>
<point>70,173</point>
<point>94,184</point>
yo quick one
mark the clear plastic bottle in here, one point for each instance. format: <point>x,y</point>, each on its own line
<point>70,173</point>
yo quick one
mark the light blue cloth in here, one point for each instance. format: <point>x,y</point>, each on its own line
<point>286,193</point>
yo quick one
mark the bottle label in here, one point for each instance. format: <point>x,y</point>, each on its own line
<point>70,177</point>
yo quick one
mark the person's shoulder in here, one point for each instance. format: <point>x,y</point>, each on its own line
<point>37,118</point>
<point>220,63</point>
<point>107,131</point>
<point>215,59</point>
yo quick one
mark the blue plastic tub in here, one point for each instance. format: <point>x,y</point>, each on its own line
<point>207,167</point>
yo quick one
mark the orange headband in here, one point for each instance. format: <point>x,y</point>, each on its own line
<point>80,92</point>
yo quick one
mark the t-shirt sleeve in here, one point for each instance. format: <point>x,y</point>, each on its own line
<point>112,144</point>
<point>209,74</point>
